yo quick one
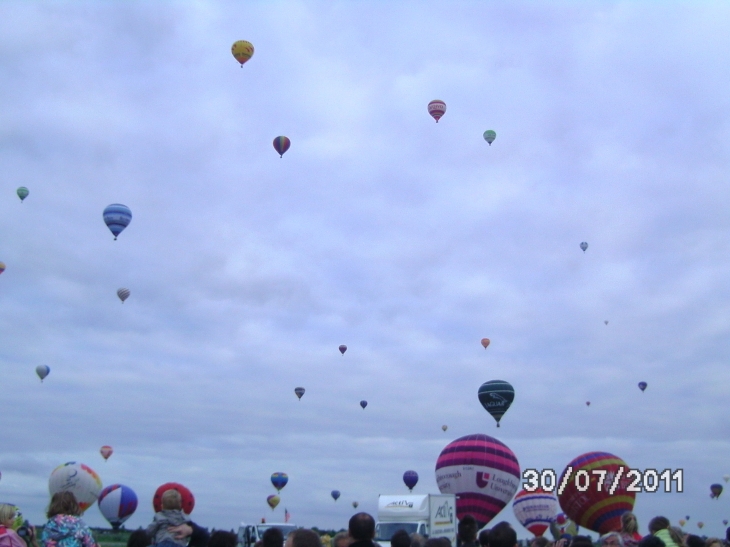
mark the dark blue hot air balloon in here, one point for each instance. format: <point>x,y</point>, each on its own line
<point>279,480</point>
<point>335,494</point>
<point>363,404</point>
<point>642,385</point>
<point>117,217</point>
<point>411,479</point>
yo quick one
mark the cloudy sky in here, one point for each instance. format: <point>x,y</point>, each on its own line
<point>407,240</point>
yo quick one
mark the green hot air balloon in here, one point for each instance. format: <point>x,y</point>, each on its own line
<point>496,397</point>
<point>22,193</point>
<point>489,136</point>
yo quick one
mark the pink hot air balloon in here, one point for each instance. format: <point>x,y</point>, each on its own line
<point>106,451</point>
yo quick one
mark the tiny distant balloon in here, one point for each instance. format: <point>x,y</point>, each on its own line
<point>444,427</point>
<point>588,403</point>
<point>2,267</point>
<point>687,517</point>
<point>279,480</point>
<point>343,349</point>
<point>410,478</point>
<point>724,521</point>
<point>682,522</point>
<point>117,217</point>
<point>42,371</point>
<point>726,478</point>
<point>281,145</point>
<point>606,322</point>
<point>485,343</point>
<point>437,109</point>
<point>242,51</point>
<point>355,504</point>
<point>489,136</point>
<point>106,451</point>
<point>123,294</point>
<point>363,404</point>
<point>716,490</point>
<point>335,494</point>
<point>273,501</point>
<point>299,391</point>
<point>22,193</point>
<point>584,246</point>
<point>642,385</point>
<point>700,525</point>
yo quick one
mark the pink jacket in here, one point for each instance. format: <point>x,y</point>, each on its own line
<point>9,538</point>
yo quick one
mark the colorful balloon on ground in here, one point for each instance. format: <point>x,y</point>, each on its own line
<point>117,217</point>
<point>299,391</point>
<point>106,451</point>
<point>496,397</point>
<point>642,385</point>
<point>42,371</point>
<point>355,504</point>
<point>117,503</point>
<point>77,478</point>
<point>584,246</point>
<point>123,294</point>
<point>188,500</point>
<point>335,494</point>
<point>535,510</point>
<point>410,478</point>
<point>281,145</point>
<point>485,343</point>
<point>444,427</point>
<point>489,136</point>
<point>273,501</point>
<point>363,404</point>
<point>597,510</point>
<point>22,193</point>
<point>437,109</point>
<point>716,490</point>
<point>279,480</point>
<point>2,267</point>
<point>242,51</point>
<point>343,349</point>
<point>483,473</point>
<point>682,522</point>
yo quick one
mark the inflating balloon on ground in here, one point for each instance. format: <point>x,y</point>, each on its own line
<point>535,510</point>
<point>188,500</point>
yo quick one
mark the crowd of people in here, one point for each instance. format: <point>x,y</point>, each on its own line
<point>171,527</point>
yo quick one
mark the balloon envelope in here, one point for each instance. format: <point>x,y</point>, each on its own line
<point>22,193</point>
<point>642,385</point>
<point>335,494</point>
<point>106,451</point>
<point>596,510</point>
<point>444,427</point>
<point>437,109</point>
<point>77,478</point>
<point>682,522</point>
<point>489,136</point>
<point>123,294</point>
<point>584,246</point>
<point>117,217</point>
<point>343,349</point>
<point>273,501</point>
<point>281,145</point>
<point>42,371</point>
<point>410,478</point>
<point>485,342</point>
<point>496,397</point>
<point>355,504</point>
<point>363,404</point>
<point>483,473</point>
<point>188,500</point>
<point>716,490</point>
<point>700,525</point>
<point>299,391</point>
<point>726,478</point>
<point>2,267</point>
<point>535,510</point>
<point>117,503</point>
<point>242,51</point>
<point>725,522</point>
<point>279,480</point>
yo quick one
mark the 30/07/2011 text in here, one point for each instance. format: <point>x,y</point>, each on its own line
<point>630,480</point>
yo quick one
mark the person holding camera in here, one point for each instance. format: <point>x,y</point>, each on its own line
<point>8,536</point>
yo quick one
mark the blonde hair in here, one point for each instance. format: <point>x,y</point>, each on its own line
<point>171,499</point>
<point>628,523</point>
<point>7,512</point>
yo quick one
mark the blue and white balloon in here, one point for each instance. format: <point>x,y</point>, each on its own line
<point>117,503</point>
<point>117,217</point>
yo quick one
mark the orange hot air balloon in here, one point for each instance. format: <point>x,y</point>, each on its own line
<point>485,342</point>
<point>106,451</point>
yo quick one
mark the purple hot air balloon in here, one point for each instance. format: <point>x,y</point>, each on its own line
<point>363,404</point>
<point>411,479</point>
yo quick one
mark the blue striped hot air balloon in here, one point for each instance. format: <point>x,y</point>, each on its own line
<point>279,480</point>
<point>117,217</point>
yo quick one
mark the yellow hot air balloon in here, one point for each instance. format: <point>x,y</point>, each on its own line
<point>242,51</point>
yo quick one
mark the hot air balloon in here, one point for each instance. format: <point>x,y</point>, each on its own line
<point>343,349</point>
<point>123,294</point>
<point>485,342</point>
<point>106,451</point>
<point>588,403</point>
<point>355,504</point>
<point>117,217</point>
<point>2,267</point>
<point>535,510</point>
<point>279,480</point>
<point>42,371</point>
<point>299,391</point>
<point>496,397</point>
<point>682,522</point>
<point>188,500</point>
<point>363,404</point>
<point>606,322</point>
<point>22,193</point>
<point>687,517</point>
<point>335,494</point>
<point>716,490</point>
<point>437,109</point>
<point>642,385</point>
<point>726,478</point>
<point>584,246</point>
<point>242,51</point>
<point>444,427</point>
<point>77,478</point>
<point>489,136</point>
<point>273,501</point>
<point>281,145</point>
<point>117,503</point>
<point>410,478</point>
<point>483,473</point>
<point>700,525</point>
<point>596,508</point>
<point>725,522</point>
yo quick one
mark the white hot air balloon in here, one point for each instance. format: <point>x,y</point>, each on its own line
<point>78,479</point>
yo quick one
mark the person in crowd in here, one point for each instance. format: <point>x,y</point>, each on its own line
<point>194,535</point>
<point>139,538</point>
<point>502,535</point>
<point>677,534</point>
<point>221,538</point>
<point>8,536</point>
<point>170,514</point>
<point>651,541</point>
<point>713,542</point>
<point>400,539</point>
<point>433,542</point>
<point>659,527</point>
<point>581,541</point>
<point>694,541</point>
<point>303,537</point>
<point>65,527</point>
<point>467,531</point>
<point>612,539</point>
<point>273,537</point>
<point>630,529</point>
<point>539,542</point>
<point>341,539</point>
<point>417,540</point>
<point>484,538</point>
<point>362,530</point>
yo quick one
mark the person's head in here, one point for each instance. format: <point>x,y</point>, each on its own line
<point>468,529</point>
<point>341,539</point>
<point>694,541</point>
<point>677,535</point>
<point>273,537</point>
<point>171,500</point>
<point>658,523</point>
<point>7,514</point>
<point>361,527</point>
<point>417,540</point>
<point>629,524</point>
<point>484,538</point>
<point>303,537</point>
<point>727,534</point>
<point>502,535</point>
<point>539,542</point>
<point>432,542</point>
<point>651,541</point>
<point>612,539</point>
<point>219,538</point>
<point>63,503</point>
<point>400,539</point>
<point>139,538</point>
<point>581,541</point>
<point>713,542</point>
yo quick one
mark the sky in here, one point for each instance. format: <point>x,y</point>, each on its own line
<point>407,240</point>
